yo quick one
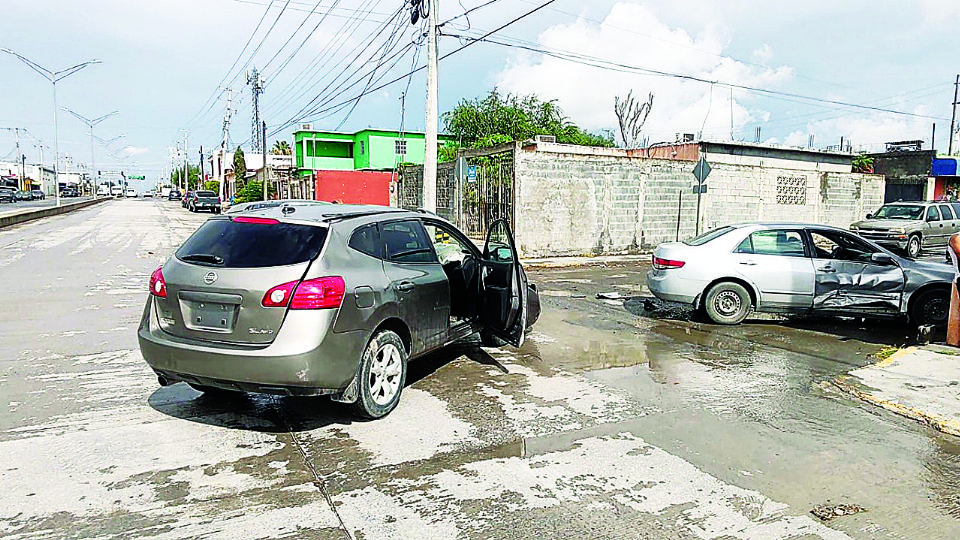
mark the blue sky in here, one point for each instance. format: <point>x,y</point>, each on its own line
<point>165,66</point>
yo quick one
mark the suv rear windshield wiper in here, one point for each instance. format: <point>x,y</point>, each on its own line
<point>203,258</point>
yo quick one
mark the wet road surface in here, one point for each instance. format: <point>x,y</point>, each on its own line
<point>612,421</point>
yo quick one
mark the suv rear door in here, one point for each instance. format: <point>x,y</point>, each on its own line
<point>503,286</point>
<point>218,279</point>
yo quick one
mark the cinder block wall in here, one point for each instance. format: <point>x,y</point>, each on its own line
<point>591,203</point>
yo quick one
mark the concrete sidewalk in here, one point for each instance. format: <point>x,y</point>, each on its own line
<point>921,382</point>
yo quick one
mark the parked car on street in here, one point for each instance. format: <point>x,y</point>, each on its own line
<point>186,198</point>
<point>174,195</point>
<point>797,268</point>
<point>328,300</point>
<point>69,192</point>
<point>38,194</point>
<point>911,226</point>
<point>8,195</point>
<point>23,195</point>
<point>204,200</point>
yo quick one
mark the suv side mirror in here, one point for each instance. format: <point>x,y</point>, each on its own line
<point>869,216</point>
<point>881,258</point>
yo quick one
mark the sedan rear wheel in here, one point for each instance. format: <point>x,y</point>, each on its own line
<point>727,303</point>
<point>930,307</point>
<point>383,372</point>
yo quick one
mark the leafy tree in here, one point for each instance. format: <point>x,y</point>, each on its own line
<point>497,118</point>
<point>193,176</point>
<point>239,165</point>
<point>252,191</point>
<point>281,148</point>
<point>212,185</point>
<point>862,163</point>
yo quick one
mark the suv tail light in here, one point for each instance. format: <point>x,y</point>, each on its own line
<point>158,286</point>
<point>319,293</point>
<point>663,264</point>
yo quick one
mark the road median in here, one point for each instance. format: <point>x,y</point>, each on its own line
<point>16,217</point>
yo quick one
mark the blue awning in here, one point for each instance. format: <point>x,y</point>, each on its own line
<point>944,166</point>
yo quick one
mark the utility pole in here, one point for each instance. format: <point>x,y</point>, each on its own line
<point>953,116</point>
<point>200,180</point>
<point>256,83</point>
<point>16,132</point>
<point>430,151</point>
<point>224,143</point>
<point>264,169</point>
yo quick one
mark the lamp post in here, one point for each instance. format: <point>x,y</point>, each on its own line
<point>90,123</point>
<point>54,77</point>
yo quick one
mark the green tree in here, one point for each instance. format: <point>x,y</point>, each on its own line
<point>281,148</point>
<point>497,118</point>
<point>239,166</point>
<point>212,185</point>
<point>862,163</point>
<point>252,191</point>
<point>193,177</point>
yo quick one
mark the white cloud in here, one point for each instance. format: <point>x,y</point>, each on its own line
<point>586,94</point>
<point>134,150</point>
<point>866,133</point>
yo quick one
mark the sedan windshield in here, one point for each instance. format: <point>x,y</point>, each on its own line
<point>899,211</point>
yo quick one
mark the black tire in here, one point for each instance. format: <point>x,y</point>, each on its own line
<point>727,303</point>
<point>930,307</point>
<point>381,375</point>
<point>490,340</point>
<point>914,246</point>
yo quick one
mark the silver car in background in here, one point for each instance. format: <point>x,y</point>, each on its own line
<point>797,268</point>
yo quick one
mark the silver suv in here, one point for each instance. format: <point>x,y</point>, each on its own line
<point>911,226</point>
<point>328,300</point>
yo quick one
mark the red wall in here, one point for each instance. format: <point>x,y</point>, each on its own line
<point>353,187</point>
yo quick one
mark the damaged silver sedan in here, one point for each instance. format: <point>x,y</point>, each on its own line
<point>797,268</point>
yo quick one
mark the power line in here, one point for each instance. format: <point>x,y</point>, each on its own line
<point>626,68</point>
<point>449,54</point>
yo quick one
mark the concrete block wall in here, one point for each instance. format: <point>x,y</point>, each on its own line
<point>571,203</point>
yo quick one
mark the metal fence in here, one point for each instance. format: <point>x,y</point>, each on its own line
<point>472,195</point>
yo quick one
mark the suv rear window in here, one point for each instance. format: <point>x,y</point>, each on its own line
<point>229,244</point>
<point>206,194</point>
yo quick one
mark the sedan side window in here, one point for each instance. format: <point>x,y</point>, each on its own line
<point>779,242</point>
<point>932,214</point>
<point>840,246</point>
<point>407,242</point>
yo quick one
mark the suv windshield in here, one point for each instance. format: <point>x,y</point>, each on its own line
<point>899,211</point>
<point>233,244</point>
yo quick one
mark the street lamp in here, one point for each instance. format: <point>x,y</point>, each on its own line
<point>90,123</point>
<point>54,77</point>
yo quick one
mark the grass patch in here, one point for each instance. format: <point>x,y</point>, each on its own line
<point>885,353</point>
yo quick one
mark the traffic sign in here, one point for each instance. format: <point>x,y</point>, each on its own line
<point>700,188</point>
<point>136,177</point>
<point>701,170</point>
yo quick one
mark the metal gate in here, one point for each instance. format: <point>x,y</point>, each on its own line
<point>473,195</point>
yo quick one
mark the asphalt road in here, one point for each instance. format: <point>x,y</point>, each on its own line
<point>612,421</point>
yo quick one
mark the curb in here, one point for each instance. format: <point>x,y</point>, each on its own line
<point>845,384</point>
<point>30,215</point>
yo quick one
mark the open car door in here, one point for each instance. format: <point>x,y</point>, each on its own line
<point>503,286</point>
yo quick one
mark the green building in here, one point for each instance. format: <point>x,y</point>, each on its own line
<point>366,150</point>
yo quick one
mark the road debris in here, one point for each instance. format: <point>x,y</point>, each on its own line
<point>610,296</point>
<point>826,512</point>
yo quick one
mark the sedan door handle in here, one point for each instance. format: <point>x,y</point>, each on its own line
<point>828,269</point>
<point>748,263</point>
<point>404,286</point>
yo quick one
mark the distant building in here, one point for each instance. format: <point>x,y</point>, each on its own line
<point>907,170</point>
<point>366,150</point>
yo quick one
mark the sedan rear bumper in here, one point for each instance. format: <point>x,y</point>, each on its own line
<point>670,286</point>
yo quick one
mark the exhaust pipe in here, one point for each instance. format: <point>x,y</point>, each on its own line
<point>163,380</point>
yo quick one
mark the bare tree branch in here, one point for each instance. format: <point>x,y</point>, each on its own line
<point>631,114</point>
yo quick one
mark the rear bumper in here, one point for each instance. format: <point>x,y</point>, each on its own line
<point>670,286</point>
<point>306,358</point>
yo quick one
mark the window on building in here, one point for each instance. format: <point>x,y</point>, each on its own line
<point>361,148</point>
<point>401,147</point>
